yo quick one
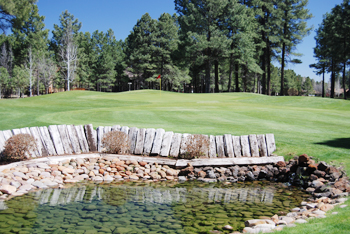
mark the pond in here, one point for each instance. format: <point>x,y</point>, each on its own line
<point>141,207</point>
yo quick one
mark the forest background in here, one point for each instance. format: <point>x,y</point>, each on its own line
<point>207,46</point>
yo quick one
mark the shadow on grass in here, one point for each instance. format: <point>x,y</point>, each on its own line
<point>337,143</point>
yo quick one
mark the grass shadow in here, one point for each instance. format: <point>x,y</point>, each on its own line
<point>337,143</point>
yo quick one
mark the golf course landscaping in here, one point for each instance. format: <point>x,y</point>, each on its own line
<point>317,127</point>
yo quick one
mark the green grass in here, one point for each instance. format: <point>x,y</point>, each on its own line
<point>315,126</point>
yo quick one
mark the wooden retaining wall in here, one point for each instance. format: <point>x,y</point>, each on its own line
<point>70,139</point>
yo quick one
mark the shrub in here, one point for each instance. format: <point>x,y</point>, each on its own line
<point>116,142</point>
<point>197,145</point>
<point>19,147</point>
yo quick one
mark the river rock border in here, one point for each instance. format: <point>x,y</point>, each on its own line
<point>327,184</point>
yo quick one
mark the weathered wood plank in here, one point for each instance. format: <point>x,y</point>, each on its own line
<point>228,146</point>
<point>84,145</point>
<point>245,146</point>
<point>175,145</point>
<point>149,137</point>
<point>56,139</point>
<point>100,133</point>
<point>253,142</point>
<point>39,144</point>
<point>73,137</point>
<point>157,142</point>
<point>125,129</point>
<point>107,129</point>
<point>220,146</point>
<point>212,147</point>
<point>205,147</point>
<point>47,140</point>
<point>16,131</point>
<point>62,129</point>
<point>229,161</point>
<point>115,128</point>
<point>132,138</point>
<point>35,152</point>
<point>270,143</point>
<point>236,141</point>
<point>166,143</point>
<point>140,140</point>
<point>2,141</point>
<point>91,137</point>
<point>7,134</point>
<point>25,131</point>
<point>184,141</point>
<point>262,145</point>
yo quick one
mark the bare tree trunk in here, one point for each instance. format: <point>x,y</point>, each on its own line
<point>236,74</point>
<point>30,57</point>
<point>216,64</point>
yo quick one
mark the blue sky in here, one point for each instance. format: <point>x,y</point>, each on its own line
<point>122,15</point>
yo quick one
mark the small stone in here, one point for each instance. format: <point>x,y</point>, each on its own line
<point>39,185</point>
<point>280,164</point>
<point>343,206</point>
<point>108,178</point>
<point>133,177</point>
<point>300,221</point>
<point>334,213</point>
<point>303,158</point>
<point>228,227</point>
<point>97,179</point>
<point>322,166</point>
<point>7,189</point>
<point>42,165</point>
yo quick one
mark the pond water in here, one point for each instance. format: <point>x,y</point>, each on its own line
<point>140,207</point>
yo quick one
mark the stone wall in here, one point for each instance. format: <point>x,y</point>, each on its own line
<point>70,139</point>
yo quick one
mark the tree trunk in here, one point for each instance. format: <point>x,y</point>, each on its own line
<point>282,69</point>
<point>344,65</point>
<point>230,75</point>
<point>263,65</point>
<point>332,79</point>
<point>323,81</point>
<point>207,76</point>
<point>268,83</point>
<point>216,63</point>
<point>236,74</point>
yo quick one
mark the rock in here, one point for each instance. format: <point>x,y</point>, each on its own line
<point>303,158</point>
<point>343,206</point>
<point>182,178</point>
<point>254,222</point>
<point>43,165</point>
<point>280,164</point>
<point>300,221</point>
<point>228,227</point>
<point>97,179</point>
<point>316,184</point>
<point>16,184</point>
<point>169,177</point>
<point>7,189</point>
<point>19,174</point>
<point>322,166</point>
<point>319,173</point>
<point>288,220</point>
<point>133,177</point>
<point>107,178</point>
<point>39,185</point>
<point>142,164</point>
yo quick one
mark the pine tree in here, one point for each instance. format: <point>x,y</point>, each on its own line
<point>30,39</point>
<point>293,29</point>
<point>200,26</point>
<point>139,50</point>
<point>14,12</point>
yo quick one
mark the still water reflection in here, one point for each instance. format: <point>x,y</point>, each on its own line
<point>126,207</point>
